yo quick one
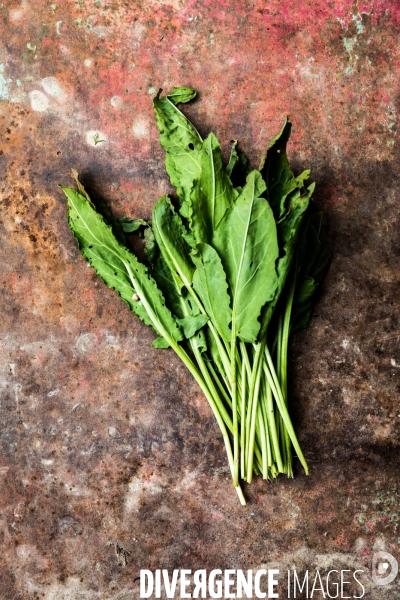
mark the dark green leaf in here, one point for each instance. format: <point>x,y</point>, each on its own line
<point>191,324</point>
<point>118,268</point>
<point>213,196</point>
<point>182,94</point>
<point>238,167</point>
<point>169,233</point>
<point>160,342</point>
<point>130,225</point>
<point>316,254</point>
<point>173,270</point>
<point>288,228</point>
<point>182,144</point>
<point>150,245</point>
<point>246,242</point>
<point>209,282</point>
<point>276,171</point>
<point>233,158</point>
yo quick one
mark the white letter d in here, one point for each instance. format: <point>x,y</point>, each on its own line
<point>150,582</point>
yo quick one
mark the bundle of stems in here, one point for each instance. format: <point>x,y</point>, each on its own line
<point>230,273</point>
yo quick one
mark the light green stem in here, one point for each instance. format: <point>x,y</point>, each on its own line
<point>189,364</point>
<point>252,406</point>
<point>235,430</point>
<point>272,426</point>
<point>270,373</point>
<point>243,423</point>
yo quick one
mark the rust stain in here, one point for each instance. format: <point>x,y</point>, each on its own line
<point>107,443</point>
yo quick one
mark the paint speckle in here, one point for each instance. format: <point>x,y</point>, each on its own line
<point>87,62</point>
<point>3,84</point>
<point>152,90</point>
<point>31,47</point>
<point>358,21</point>
<point>116,101</point>
<point>140,128</point>
<point>58,25</point>
<point>39,101</point>
<point>18,13</point>
<point>96,138</point>
<point>52,87</point>
<point>113,432</point>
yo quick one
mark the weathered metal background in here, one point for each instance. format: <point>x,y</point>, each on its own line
<point>105,440</point>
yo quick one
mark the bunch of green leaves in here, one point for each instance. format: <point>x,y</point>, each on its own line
<point>231,269</point>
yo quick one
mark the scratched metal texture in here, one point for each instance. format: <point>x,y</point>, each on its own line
<point>107,443</point>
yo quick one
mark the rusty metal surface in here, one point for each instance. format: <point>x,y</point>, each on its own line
<point>105,440</point>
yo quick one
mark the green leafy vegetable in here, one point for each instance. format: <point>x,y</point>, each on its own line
<point>181,95</point>
<point>247,244</point>
<point>130,225</point>
<point>230,276</point>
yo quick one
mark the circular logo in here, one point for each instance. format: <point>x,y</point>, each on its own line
<point>384,568</point>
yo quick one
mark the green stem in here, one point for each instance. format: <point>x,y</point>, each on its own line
<point>264,450</point>
<point>245,356</point>
<point>243,427</point>
<point>272,427</point>
<point>270,373</point>
<point>264,411</point>
<point>210,384</point>
<point>252,407</point>
<point>235,431</point>
<point>189,364</point>
<point>221,387</point>
<point>283,362</point>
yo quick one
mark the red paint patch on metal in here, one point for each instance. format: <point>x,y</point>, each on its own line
<point>105,440</point>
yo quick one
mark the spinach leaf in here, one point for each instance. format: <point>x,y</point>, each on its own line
<point>288,229</point>
<point>275,169</point>
<point>118,268</point>
<point>181,95</point>
<point>214,194</point>
<point>238,167</point>
<point>169,232</point>
<point>209,281</point>
<point>130,225</point>
<point>246,241</point>
<point>182,144</point>
<point>316,255</point>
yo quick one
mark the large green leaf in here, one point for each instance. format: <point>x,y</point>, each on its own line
<point>169,232</point>
<point>213,196</point>
<point>118,268</point>
<point>209,282</point>
<point>173,268</point>
<point>246,241</point>
<point>276,171</point>
<point>316,253</point>
<point>168,281</point>
<point>288,228</point>
<point>182,144</point>
<point>101,206</point>
<point>238,167</point>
